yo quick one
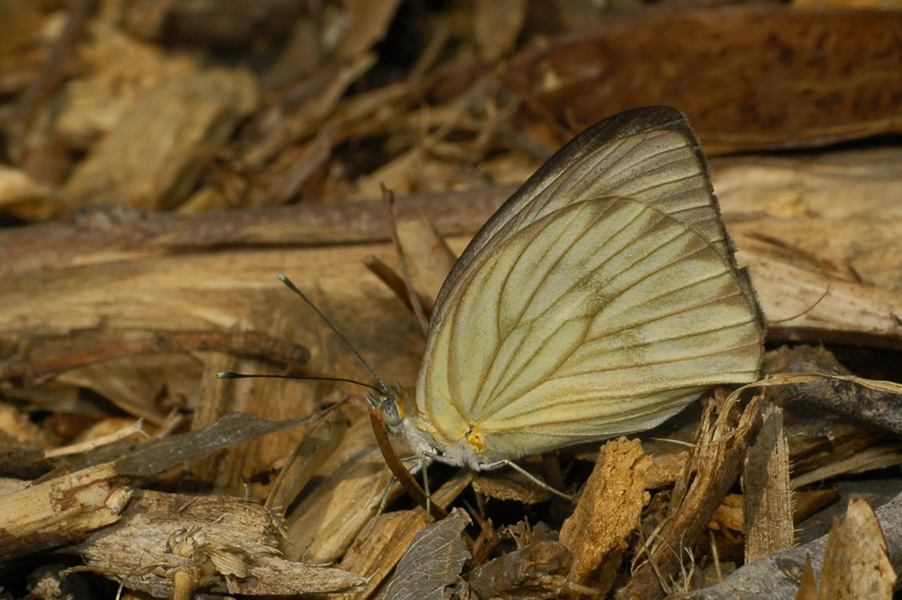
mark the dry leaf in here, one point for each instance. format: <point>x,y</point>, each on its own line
<point>432,563</point>
<point>759,88</point>
<point>855,562</point>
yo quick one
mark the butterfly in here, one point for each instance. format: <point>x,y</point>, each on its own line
<point>601,299</point>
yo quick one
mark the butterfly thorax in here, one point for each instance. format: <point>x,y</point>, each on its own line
<point>402,418</point>
<point>468,451</point>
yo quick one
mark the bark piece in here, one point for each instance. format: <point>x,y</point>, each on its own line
<point>533,572</point>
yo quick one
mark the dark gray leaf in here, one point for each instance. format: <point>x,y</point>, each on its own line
<point>433,561</point>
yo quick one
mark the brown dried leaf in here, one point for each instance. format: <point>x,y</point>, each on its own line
<point>156,456</point>
<point>855,562</point>
<point>748,76</point>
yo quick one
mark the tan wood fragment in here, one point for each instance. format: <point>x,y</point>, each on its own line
<point>767,496</point>
<point>331,516</point>
<point>214,543</point>
<point>149,159</point>
<point>428,255</point>
<point>808,587</point>
<point>326,523</point>
<point>810,305</point>
<point>730,515</point>
<point>320,441</point>
<point>869,459</point>
<point>133,430</point>
<point>60,510</point>
<point>215,400</point>
<point>607,512</point>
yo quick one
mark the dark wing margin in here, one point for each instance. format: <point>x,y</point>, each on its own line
<point>617,127</point>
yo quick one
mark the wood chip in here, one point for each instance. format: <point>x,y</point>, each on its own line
<point>606,514</point>
<point>60,510</point>
<point>216,543</point>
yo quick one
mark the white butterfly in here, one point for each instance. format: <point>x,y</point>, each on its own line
<point>600,299</point>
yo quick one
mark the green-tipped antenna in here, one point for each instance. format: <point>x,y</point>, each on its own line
<point>284,279</point>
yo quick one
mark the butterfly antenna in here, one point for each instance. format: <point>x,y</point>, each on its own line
<point>233,375</point>
<point>382,387</point>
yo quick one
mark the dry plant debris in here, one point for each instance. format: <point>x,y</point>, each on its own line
<point>162,161</point>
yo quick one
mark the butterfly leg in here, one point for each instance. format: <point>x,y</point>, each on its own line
<point>382,504</point>
<point>508,463</point>
<point>423,463</point>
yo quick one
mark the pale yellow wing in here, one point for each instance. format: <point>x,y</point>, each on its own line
<point>581,315</point>
<point>603,318</point>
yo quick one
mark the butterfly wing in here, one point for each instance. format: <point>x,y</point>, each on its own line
<point>600,299</point>
<point>649,154</point>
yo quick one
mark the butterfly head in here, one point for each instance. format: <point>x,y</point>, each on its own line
<point>388,403</point>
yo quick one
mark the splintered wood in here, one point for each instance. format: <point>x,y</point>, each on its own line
<point>606,515</point>
<point>165,541</point>
<point>767,501</point>
<point>59,511</point>
<point>713,466</point>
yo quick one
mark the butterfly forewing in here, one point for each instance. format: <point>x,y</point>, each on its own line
<point>650,154</point>
<point>600,300</point>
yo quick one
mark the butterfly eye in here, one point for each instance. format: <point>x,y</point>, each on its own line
<point>391,414</point>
